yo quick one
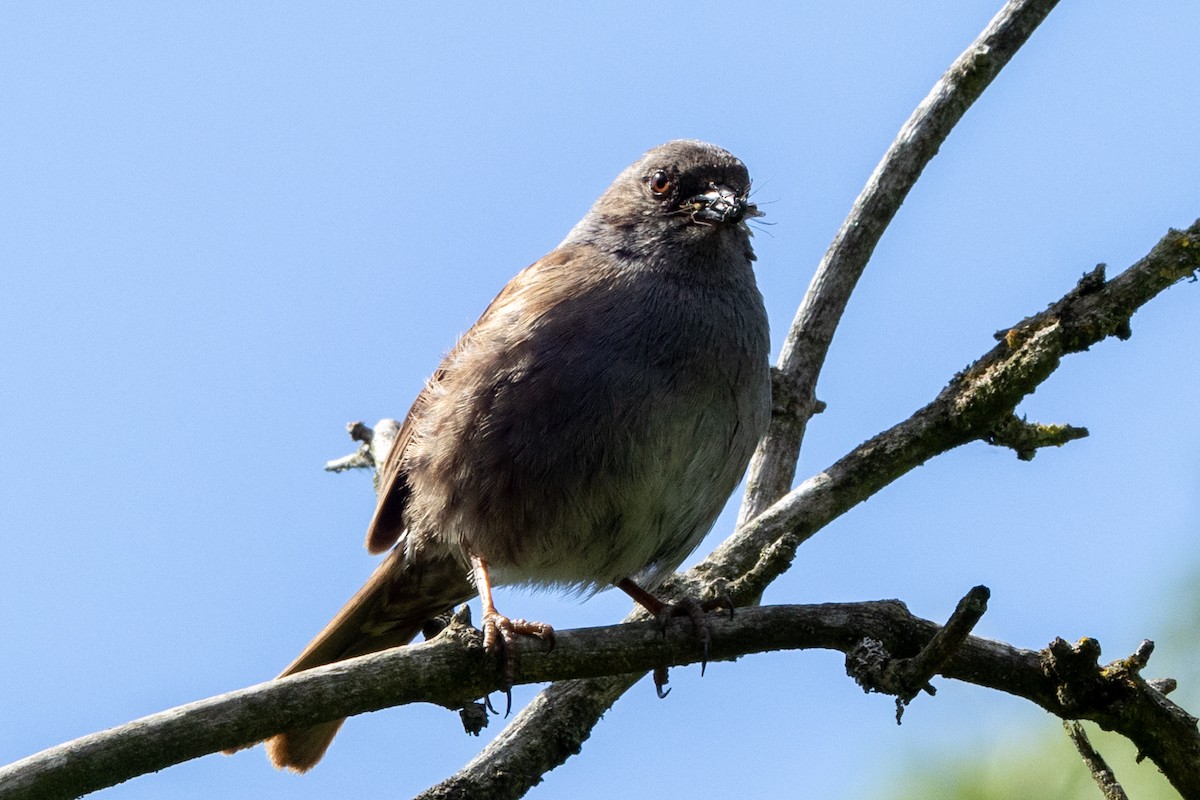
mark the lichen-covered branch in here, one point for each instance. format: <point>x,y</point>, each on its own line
<point>969,408</point>
<point>1026,438</point>
<point>1118,698</point>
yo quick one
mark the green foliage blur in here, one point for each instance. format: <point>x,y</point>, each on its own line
<point>1040,762</point>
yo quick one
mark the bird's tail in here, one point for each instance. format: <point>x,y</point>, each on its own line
<point>387,611</point>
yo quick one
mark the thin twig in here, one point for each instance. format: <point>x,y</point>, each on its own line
<point>876,669</point>
<point>774,464</point>
<point>1101,772</point>
<point>912,675</point>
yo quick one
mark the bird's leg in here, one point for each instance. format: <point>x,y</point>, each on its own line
<point>500,632</point>
<point>643,598</point>
<point>686,607</point>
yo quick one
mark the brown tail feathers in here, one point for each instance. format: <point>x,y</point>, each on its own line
<point>387,611</point>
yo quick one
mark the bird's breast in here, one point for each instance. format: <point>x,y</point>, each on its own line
<point>601,437</point>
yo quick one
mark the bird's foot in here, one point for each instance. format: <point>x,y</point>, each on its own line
<point>500,633</point>
<point>689,607</point>
<point>696,611</point>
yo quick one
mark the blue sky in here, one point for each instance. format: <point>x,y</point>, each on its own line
<point>230,229</point>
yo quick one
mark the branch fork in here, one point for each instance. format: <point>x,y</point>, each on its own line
<point>876,671</point>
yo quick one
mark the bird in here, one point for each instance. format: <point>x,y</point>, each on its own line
<point>585,432</point>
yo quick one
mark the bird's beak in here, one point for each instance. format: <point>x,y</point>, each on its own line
<point>720,205</point>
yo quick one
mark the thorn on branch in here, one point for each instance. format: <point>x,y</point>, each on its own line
<point>874,669</point>
<point>1026,438</point>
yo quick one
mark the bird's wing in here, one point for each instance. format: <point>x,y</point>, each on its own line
<point>387,524</point>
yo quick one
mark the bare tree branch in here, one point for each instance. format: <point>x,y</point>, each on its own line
<point>876,671</point>
<point>1026,438</point>
<point>774,464</point>
<point>976,401</point>
<point>452,668</point>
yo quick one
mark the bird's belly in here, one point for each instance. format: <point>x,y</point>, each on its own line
<point>585,493</point>
<point>648,495</point>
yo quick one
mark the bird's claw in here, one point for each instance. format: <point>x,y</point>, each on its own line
<point>660,680</point>
<point>686,607</point>
<point>500,633</point>
<point>695,611</point>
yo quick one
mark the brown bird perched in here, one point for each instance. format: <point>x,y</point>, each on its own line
<point>586,431</point>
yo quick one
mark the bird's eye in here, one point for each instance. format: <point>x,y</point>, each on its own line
<point>661,183</point>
